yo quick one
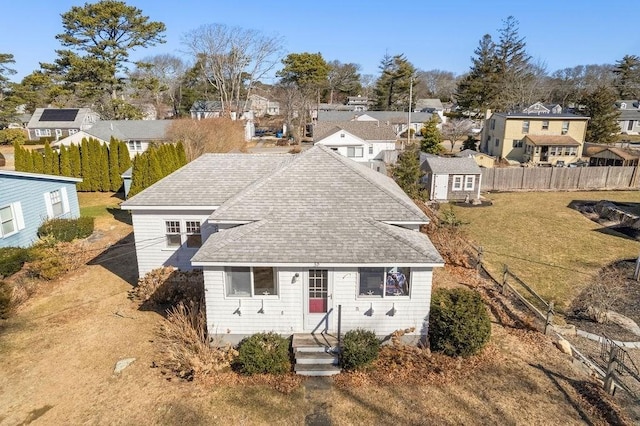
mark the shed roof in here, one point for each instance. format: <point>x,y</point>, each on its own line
<point>452,165</point>
<point>41,176</point>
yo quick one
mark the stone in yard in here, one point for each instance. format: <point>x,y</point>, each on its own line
<point>122,364</point>
<point>564,346</point>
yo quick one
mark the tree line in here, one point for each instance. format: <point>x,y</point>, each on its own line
<point>228,64</point>
<point>98,164</point>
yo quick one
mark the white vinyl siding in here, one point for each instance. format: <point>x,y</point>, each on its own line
<point>234,316</point>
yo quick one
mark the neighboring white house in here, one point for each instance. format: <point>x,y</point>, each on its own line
<point>137,134</point>
<point>365,142</point>
<point>286,241</point>
<point>396,119</point>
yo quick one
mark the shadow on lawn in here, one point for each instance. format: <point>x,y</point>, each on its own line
<point>120,259</point>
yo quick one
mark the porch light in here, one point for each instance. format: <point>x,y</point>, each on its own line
<point>295,277</point>
<point>261,311</point>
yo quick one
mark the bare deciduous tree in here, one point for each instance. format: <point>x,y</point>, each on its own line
<point>159,78</point>
<point>208,135</point>
<point>456,129</point>
<point>232,59</point>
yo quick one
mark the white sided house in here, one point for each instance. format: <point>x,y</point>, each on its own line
<point>286,241</point>
<point>366,142</point>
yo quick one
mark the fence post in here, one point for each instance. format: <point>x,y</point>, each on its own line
<point>505,271</point>
<point>549,322</point>
<point>479,261</point>
<point>636,272</point>
<point>609,385</point>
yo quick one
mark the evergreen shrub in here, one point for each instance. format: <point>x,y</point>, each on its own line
<point>67,229</point>
<point>359,348</point>
<point>263,353</point>
<point>459,324</point>
<point>5,300</point>
<point>12,259</point>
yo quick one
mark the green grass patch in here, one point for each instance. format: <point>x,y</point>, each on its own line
<point>102,204</point>
<point>552,247</point>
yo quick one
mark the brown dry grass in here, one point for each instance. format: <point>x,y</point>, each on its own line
<point>552,247</point>
<point>63,343</point>
<point>208,135</point>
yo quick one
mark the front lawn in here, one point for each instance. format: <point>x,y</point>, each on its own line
<point>551,246</point>
<point>102,205</point>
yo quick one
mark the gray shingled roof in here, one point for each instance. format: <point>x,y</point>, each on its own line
<point>126,130</point>
<point>393,117</point>
<point>320,183</point>
<point>77,122</point>
<point>365,130</point>
<point>452,165</point>
<point>209,180</point>
<point>323,240</point>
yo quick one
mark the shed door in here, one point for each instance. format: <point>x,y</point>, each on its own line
<point>440,187</point>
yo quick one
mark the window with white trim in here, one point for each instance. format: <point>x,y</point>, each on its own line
<point>525,127</point>
<point>194,237</point>
<point>8,223</point>
<point>565,127</point>
<point>355,151</point>
<point>135,145</point>
<point>56,203</point>
<point>245,281</point>
<point>58,133</point>
<point>469,182</point>
<point>545,125</point>
<point>384,282</point>
<point>73,131</point>
<point>370,149</point>
<point>40,133</point>
<point>172,231</point>
<point>457,183</point>
<point>517,143</point>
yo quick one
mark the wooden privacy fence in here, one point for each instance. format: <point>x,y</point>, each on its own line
<point>560,178</point>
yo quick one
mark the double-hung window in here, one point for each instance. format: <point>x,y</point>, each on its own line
<point>8,223</point>
<point>194,237</point>
<point>172,231</point>
<point>355,151</point>
<point>545,125</point>
<point>565,127</point>
<point>56,203</point>
<point>469,182</point>
<point>457,182</point>
<point>525,127</point>
<point>517,143</point>
<point>384,282</point>
<point>245,281</point>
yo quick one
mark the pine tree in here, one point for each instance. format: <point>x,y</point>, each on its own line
<point>48,159</point>
<point>155,169</point>
<point>65,161</point>
<point>137,176</point>
<point>114,168</point>
<point>105,181</point>
<point>513,66</point>
<point>124,160</point>
<point>470,143</point>
<point>75,164</point>
<point>38,161</point>
<point>627,73</point>
<point>406,172</point>
<point>182,155</point>
<point>603,124</point>
<point>18,157</point>
<point>393,86</point>
<point>28,161</point>
<point>431,137</point>
<point>477,91</point>
<point>56,163</point>
<point>85,161</point>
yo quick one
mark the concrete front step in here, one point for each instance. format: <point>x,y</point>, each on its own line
<point>318,358</point>
<point>319,342</point>
<point>317,370</point>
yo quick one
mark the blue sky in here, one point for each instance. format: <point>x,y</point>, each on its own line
<point>432,35</point>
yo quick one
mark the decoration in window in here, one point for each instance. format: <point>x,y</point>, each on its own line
<point>384,282</point>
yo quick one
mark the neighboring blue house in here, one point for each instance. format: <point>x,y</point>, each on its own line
<point>28,199</point>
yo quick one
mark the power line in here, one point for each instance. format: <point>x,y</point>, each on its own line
<point>538,262</point>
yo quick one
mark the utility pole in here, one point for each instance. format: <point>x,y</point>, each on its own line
<point>409,115</point>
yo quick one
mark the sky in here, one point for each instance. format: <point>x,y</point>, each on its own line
<point>432,35</point>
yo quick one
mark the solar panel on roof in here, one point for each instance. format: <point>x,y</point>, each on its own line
<point>59,114</point>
